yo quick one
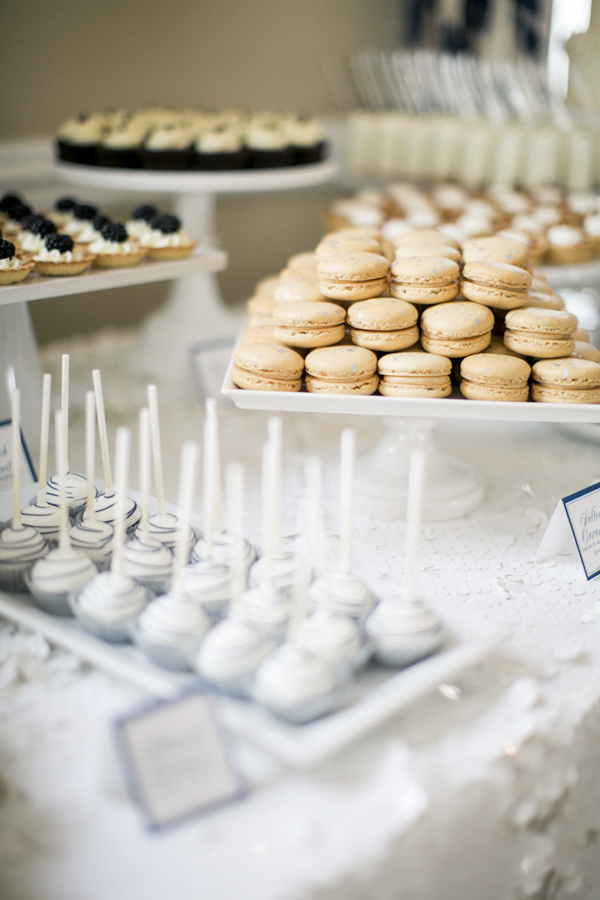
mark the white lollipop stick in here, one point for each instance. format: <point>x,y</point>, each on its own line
<point>64,415</point>
<point>156,449</point>
<point>123,442</point>
<point>64,542</point>
<point>102,432</point>
<point>44,434</point>
<point>145,470</point>
<point>15,415</point>
<point>90,454</point>
<point>275,476</point>
<point>234,494</point>
<point>187,484</point>
<point>213,422</point>
<point>316,527</point>
<point>348,445</point>
<point>416,477</point>
<point>210,479</point>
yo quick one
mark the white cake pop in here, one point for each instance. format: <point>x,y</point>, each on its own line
<point>110,603</point>
<point>144,557</point>
<point>90,535</point>
<point>107,504</point>
<point>170,629</point>
<point>339,589</point>
<point>162,525</point>
<point>40,514</point>
<point>73,483</point>
<point>403,629</point>
<point>20,545</point>
<point>57,578</point>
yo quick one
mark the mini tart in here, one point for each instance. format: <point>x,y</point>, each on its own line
<point>65,267</point>
<point>160,254</point>
<point>489,376</point>
<point>19,272</point>
<point>120,260</point>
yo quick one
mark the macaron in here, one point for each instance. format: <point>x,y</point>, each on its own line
<point>490,376</point>
<point>341,370</point>
<point>422,236</point>
<point>545,300</point>
<point>432,248</point>
<point>260,305</point>
<point>496,249</point>
<point>318,324</point>
<point>415,374</point>
<point>567,380</point>
<point>259,334</point>
<point>585,350</point>
<point>302,260</point>
<point>497,345</point>
<point>335,245</point>
<point>497,284</point>
<point>540,333</point>
<point>383,323</point>
<point>267,367</point>
<point>297,292</point>
<point>353,276</point>
<point>456,329</point>
<point>266,286</point>
<point>424,279</point>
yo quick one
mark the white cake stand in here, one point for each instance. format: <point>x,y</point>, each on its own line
<point>452,488</point>
<point>195,310</point>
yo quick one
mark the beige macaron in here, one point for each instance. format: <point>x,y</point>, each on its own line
<point>267,367</point>
<point>309,324</point>
<point>383,323</point>
<point>569,380</point>
<point>304,260</point>
<point>545,300</point>
<point>496,249</point>
<point>259,334</point>
<point>540,333</point>
<point>424,279</point>
<point>415,374</point>
<point>353,276</point>
<point>266,286</point>
<point>490,376</point>
<point>297,292</point>
<point>341,370</point>
<point>425,236</point>
<point>456,329</point>
<point>496,284</point>
<point>432,248</point>
<point>585,350</point>
<point>334,245</point>
<point>498,346</point>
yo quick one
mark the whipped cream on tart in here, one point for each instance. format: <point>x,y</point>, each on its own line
<point>166,239</point>
<point>13,267</point>
<point>115,250</point>
<point>139,223</point>
<point>60,256</point>
<point>34,231</point>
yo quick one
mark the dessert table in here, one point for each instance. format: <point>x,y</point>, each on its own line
<point>484,787</point>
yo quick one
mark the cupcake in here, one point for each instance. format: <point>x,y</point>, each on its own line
<point>122,147</point>
<point>60,257</point>
<point>306,138</point>
<point>169,147</point>
<point>166,239</point>
<point>268,146</point>
<point>78,139</point>
<point>13,268</point>
<point>219,148</point>
<point>114,250</point>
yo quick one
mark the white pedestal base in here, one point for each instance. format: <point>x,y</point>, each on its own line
<point>451,488</point>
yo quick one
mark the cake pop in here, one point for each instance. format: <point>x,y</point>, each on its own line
<point>106,504</point>
<point>90,535</point>
<point>20,545</point>
<point>40,514</point>
<point>172,626</point>
<point>403,628</point>
<point>74,484</point>
<point>57,577</point>
<point>111,602</point>
<point>144,557</point>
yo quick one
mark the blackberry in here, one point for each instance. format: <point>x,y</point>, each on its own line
<point>7,250</point>
<point>43,228</point>
<point>84,211</point>
<point>166,223</point>
<point>31,221</point>
<point>65,204</point>
<point>99,222</point>
<point>147,212</point>
<point>116,232</point>
<point>19,211</point>
<point>60,242</point>
<point>8,201</point>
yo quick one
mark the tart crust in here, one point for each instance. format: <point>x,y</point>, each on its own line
<point>72,267</point>
<point>119,260</point>
<point>163,253</point>
<point>14,276</point>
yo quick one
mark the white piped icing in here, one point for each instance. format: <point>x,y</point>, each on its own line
<point>230,549</point>
<point>102,246</point>
<point>12,262</point>
<point>62,571</point>
<point>147,560</point>
<point>22,545</point>
<point>109,598</point>
<point>106,509</point>
<point>209,583</point>
<point>287,572</point>
<point>45,255</point>
<point>292,676</point>
<point>233,648</point>
<point>170,620</point>
<point>343,593</point>
<point>44,518</point>
<point>155,238</point>
<point>563,236</point>
<point>95,539</point>
<point>335,637</point>
<point>30,242</point>
<point>75,487</point>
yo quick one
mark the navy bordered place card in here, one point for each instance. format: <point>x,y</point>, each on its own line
<point>28,476</point>
<point>576,519</point>
<point>175,759</point>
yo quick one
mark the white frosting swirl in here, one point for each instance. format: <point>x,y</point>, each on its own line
<point>137,228</point>
<point>21,545</point>
<point>62,571</point>
<point>95,539</point>
<point>31,242</point>
<point>563,236</point>
<point>155,238</point>
<point>291,676</point>
<point>171,620</point>
<point>146,559</point>
<point>46,255</point>
<point>12,262</point>
<point>231,649</point>
<point>109,598</point>
<point>103,247</point>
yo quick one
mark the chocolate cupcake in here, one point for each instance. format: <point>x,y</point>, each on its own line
<point>219,148</point>
<point>78,139</point>
<point>122,148</point>
<point>307,139</point>
<point>268,146</point>
<point>168,148</point>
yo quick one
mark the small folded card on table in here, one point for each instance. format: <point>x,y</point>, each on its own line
<point>575,524</point>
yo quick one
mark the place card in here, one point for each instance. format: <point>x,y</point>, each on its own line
<point>176,759</point>
<point>576,520</point>
<point>28,476</point>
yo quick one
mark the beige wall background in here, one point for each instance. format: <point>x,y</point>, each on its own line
<point>65,57</point>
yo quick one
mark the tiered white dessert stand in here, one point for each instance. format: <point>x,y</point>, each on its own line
<point>452,488</point>
<point>194,311</point>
